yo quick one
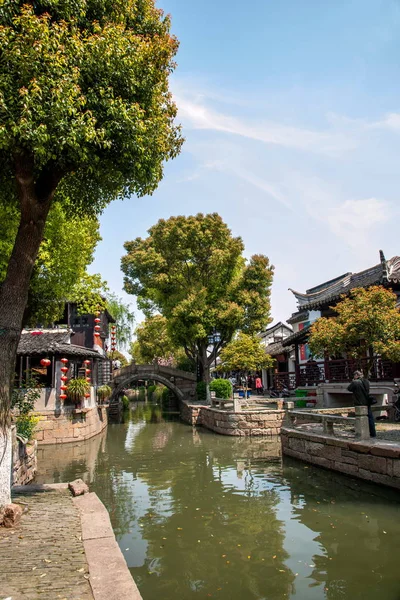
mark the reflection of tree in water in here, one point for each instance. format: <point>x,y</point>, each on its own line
<point>191,482</point>
<point>357,527</point>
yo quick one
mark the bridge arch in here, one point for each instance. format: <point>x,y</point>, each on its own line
<point>149,376</point>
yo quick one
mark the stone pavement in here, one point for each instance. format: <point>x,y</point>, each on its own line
<point>43,558</point>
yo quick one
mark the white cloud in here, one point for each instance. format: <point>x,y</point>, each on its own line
<point>353,220</point>
<point>196,115</point>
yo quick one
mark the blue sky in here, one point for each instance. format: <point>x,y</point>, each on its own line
<point>291,114</point>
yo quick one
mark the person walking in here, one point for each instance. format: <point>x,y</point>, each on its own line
<point>259,386</point>
<point>359,387</point>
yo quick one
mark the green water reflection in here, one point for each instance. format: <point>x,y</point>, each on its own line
<point>203,516</point>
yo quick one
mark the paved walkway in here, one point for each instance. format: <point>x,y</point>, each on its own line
<point>43,558</point>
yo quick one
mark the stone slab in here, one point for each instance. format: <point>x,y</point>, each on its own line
<point>103,553</point>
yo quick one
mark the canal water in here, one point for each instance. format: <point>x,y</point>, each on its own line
<point>201,516</point>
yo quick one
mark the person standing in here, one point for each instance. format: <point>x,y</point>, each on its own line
<point>259,386</point>
<point>360,390</point>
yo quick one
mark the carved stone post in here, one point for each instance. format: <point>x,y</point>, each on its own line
<point>362,426</point>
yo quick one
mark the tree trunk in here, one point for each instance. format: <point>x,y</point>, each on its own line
<point>35,201</point>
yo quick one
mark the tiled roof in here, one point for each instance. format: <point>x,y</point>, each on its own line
<point>387,271</point>
<point>276,348</point>
<point>52,341</point>
<point>298,336</point>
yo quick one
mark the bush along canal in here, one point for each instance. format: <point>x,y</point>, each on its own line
<point>199,515</point>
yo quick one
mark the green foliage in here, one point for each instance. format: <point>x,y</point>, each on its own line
<point>150,390</point>
<point>184,363</point>
<point>142,394</point>
<point>26,425</point>
<point>118,356</point>
<point>77,388</point>
<point>245,353</point>
<point>367,318</point>
<point>192,271</point>
<point>23,398</point>
<point>84,90</point>
<point>60,269</point>
<point>222,388</point>
<point>201,390</point>
<point>125,402</point>
<point>23,401</point>
<point>153,343</point>
<point>103,392</point>
<point>125,320</point>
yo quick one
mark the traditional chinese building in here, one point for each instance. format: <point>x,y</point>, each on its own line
<point>317,302</point>
<point>272,340</point>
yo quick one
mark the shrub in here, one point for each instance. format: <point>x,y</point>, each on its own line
<point>150,390</point>
<point>222,388</point>
<point>142,394</point>
<point>26,425</point>
<point>103,392</point>
<point>125,402</point>
<point>158,392</point>
<point>201,390</point>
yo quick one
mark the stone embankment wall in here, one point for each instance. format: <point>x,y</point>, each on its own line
<point>246,423</point>
<point>24,461</point>
<point>70,425</point>
<point>374,461</point>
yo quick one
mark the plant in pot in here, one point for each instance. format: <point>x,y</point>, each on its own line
<point>103,392</point>
<point>77,390</point>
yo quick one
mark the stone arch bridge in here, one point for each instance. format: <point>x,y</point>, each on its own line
<point>181,383</point>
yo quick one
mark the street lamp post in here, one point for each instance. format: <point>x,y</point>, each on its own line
<point>213,340</point>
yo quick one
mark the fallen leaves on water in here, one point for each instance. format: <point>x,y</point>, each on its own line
<point>274,556</point>
<point>179,528</point>
<point>81,570</point>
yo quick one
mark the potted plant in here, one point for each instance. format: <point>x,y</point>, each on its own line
<point>77,390</point>
<point>103,392</point>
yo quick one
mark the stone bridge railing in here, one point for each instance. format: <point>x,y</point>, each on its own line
<point>182,383</point>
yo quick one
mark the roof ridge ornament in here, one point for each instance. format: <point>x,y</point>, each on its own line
<point>385,273</point>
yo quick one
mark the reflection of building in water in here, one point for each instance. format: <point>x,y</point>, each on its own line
<point>62,463</point>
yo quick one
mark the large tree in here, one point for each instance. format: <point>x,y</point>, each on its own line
<point>152,344</point>
<point>367,322</point>
<point>85,113</point>
<point>192,271</point>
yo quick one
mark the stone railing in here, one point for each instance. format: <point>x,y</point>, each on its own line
<point>330,417</point>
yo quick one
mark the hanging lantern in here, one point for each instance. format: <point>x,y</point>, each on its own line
<point>97,327</point>
<point>64,369</point>
<point>64,378</point>
<point>97,320</point>
<point>86,362</point>
<point>96,334</point>
<point>88,379</point>
<point>64,388</point>
<point>64,360</point>
<point>88,371</point>
<point>87,395</point>
<point>63,396</point>
<point>45,362</point>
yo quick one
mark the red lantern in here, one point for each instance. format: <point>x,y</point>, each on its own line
<point>63,396</point>
<point>86,362</point>
<point>63,378</point>
<point>87,395</point>
<point>64,388</point>
<point>88,380</point>
<point>97,320</point>
<point>88,371</point>
<point>64,369</point>
<point>64,360</point>
<point>96,334</point>
<point>45,362</point>
<point>97,327</point>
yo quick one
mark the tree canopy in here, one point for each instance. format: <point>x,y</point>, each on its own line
<point>59,273</point>
<point>246,354</point>
<point>367,318</point>
<point>84,99</point>
<point>153,343</point>
<point>192,271</point>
